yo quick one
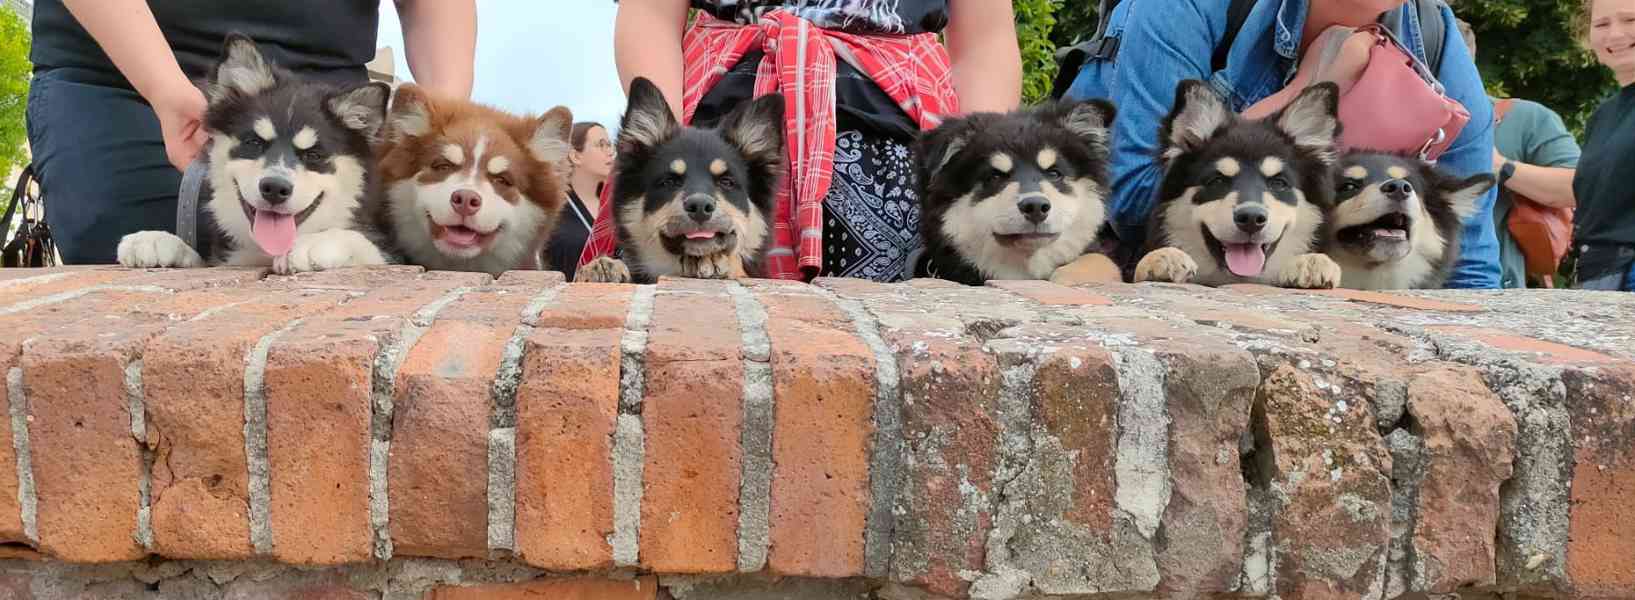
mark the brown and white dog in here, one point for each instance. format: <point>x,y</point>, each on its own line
<point>468,187</point>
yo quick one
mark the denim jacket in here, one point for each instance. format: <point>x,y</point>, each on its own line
<point>1165,41</point>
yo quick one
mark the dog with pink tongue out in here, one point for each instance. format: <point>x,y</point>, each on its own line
<point>288,172</point>
<point>1243,200</point>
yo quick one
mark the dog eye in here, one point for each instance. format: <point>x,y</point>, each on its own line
<point>442,166</point>
<point>727,182</point>
<point>502,180</point>
<point>1277,184</point>
<point>1347,187</point>
<point>1217,181</point>
<point>996,177</point>
<point>671,182</point>
<point>1054,174</point>
<point>312,156</point>
<point>253,142</point>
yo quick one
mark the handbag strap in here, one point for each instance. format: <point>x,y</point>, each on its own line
<point>18,194</point>
<point>1333,41</point>
<point>1501,109</point>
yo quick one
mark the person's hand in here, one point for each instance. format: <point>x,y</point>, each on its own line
<point>181,121</point>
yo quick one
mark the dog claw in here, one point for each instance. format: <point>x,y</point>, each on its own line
<point>1169,265</point>
<point>603,270</point>
<point>719,266</point>
<point>1311,272</point>
<point>325,250</point>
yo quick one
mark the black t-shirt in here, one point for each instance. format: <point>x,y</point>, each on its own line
<point>859,102</point>
<point>1603,185</point>
<point>326,39</point>
<point>568,241</point>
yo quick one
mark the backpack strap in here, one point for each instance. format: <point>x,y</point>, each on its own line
<point>1236,15</point>
<point>1071,59</point>
<point>1433,31</point>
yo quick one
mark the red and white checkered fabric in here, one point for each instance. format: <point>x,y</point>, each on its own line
<point>800,63</point>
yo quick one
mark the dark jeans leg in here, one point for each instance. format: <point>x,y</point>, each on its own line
<point>101,164</point>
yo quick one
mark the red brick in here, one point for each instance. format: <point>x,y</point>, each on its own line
<point>43,284</point>
<point>193,387</point>
<point>441,423</point>
<point>529,279</point>
<point>1050,294</point>
<point>318,383</point>
<point>86,461</point>
<point>950,391</point>
<point>1397,300</point>
<point>1601,534</point>
<point>692,414</point>
<point>824,386</point>
<point>1548,352</point>
<point>1469,438</point>
<point>567,407</point>
<point>641,588</point>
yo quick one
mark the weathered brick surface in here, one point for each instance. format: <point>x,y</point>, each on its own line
<point>567,405</point>
<point>642,588</point>
<point>441,422</point>
<point>691,414</point>
<point>823,393</point>
<point>1025,440</point>
<point>193,384</point>
<point>319,383</point>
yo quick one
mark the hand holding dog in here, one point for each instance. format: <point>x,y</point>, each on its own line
<point>181,121</point>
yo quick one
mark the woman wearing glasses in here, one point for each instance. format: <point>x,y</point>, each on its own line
<point>591,160</point>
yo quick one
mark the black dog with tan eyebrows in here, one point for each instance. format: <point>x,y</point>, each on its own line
<point>1242,200</point>
<point>692,202</point>
<point>1397,220</point>
<point>1020,195</point>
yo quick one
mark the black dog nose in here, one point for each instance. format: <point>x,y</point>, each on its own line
<point>700,208</point>
<point>275,190</point>
<point>1035,209</point>
<point>1251,218</point>
<point>1397,189</point>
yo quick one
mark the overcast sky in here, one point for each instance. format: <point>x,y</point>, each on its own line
<point>535,54</point>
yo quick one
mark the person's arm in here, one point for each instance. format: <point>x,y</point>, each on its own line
<point>1550,186</point>
<point>128,33</point>
<point>440,44</point>
<point>1471,154</point>
<point>1545,170</point>
<point>647,43</point>
<point>986,60</point>
<point>1162,43</point>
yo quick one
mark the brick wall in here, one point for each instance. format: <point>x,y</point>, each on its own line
<point>391,433</point>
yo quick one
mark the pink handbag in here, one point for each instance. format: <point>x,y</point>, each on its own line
<point>1397,104</point>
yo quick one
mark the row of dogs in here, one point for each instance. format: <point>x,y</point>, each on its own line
<point>303,177</point>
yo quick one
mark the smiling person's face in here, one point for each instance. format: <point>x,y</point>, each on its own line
<point>1612,36</point>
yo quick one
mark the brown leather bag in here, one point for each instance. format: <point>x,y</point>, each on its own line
<point>1544,233</point>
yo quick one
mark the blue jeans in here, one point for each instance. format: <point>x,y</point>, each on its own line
<point>1615,281</point>
<point>101,162</point>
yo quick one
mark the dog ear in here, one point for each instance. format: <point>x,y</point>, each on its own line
<point>1092,121</point>
<point>937,147</point>
<point>1197,115</point>
<point>242,70</point>
<point>647,120</point>
<point>756,129</point>
<point>1313,120</point>
<point>411,113</point>
<point>549,140</point>
<point>361,109</point>
<point>1463,195</point>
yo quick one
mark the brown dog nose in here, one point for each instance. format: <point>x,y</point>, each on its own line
<point>466,202</point>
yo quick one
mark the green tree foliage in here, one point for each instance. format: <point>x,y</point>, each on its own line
<point>1531,49</point>
<point>1035,21</point>
<point>14,77</point>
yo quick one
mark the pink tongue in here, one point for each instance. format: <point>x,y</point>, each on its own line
<point>460,236</point>
<point>700,235</point>
<point>1246,260</point>
<point>274,232</point>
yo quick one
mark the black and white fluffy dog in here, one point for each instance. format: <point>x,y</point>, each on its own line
<point>1242,200</point>
<point>289,165</point>
<point>692,202</point>
<point>1397,220</point>
<point>1020,195</point>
